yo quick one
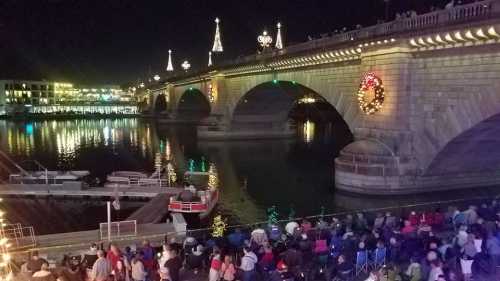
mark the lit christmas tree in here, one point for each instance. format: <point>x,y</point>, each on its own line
<point>217,48</point>
<point>213,179</point>
<point>279,41</point>
<point>170,66</point>
<point>203,168</point>
<point>191,165</point>
<point>172,176</point>
<point>272,216</point>
<point>5,267</point>
<point>218,227</point>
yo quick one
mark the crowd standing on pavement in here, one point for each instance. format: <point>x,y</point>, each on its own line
<point>431,245</point>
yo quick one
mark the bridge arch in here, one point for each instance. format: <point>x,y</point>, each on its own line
<point>473,151</point>
<point>270,105</point>
<point>193,105</point>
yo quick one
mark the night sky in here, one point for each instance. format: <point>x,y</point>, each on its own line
<point>118,41</point>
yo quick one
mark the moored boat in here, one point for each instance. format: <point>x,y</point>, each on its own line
<point>197,198</point>
<point>47,177</point>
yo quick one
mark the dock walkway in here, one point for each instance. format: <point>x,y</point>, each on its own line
<point>153,211</point>
<point>42,190</point>
<point>73,243</point>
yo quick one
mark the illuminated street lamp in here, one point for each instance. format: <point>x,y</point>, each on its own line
<point>264,40</point>
<point>156,77</point>
<point>186,65</point>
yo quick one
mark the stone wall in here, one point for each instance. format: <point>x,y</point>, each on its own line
<point>452,91</point>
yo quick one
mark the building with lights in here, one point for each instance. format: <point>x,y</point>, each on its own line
<point>24,96</point>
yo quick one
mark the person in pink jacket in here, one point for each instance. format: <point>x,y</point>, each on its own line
<point>228,270</point>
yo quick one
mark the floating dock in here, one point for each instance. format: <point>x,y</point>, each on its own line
<point>42,190</point>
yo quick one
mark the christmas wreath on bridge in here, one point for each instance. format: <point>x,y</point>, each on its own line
<point>371,82</point>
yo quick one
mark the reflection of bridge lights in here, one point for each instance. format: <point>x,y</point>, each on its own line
<point>308,131</point>
<point>307,100</point>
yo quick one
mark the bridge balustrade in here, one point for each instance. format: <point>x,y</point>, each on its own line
<point>370,166</point>
<point>475,11</point>
<point>478,10</point>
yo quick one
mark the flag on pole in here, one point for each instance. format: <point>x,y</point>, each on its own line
<point>116,202</point>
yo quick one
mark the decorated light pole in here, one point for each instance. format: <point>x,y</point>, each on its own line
<point>217,47</point>
<point>5,267</point>
<point>186,65</point>
<point>209,59</point>
<point>170,66</point>
<point>264,40</point>
<point>279,41</point>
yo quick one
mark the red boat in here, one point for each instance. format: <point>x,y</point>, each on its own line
<point>200,199</point>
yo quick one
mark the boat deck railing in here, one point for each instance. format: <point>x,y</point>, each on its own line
<point>141,182</point>
<point>187,207</point>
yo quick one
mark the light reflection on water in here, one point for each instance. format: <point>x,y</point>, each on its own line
<point>253,175</point>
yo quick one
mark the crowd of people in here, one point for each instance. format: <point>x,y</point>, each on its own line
<point>419,246</point>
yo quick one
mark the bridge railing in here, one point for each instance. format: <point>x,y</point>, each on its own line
<point>478,10</point>
<point>475,11</point>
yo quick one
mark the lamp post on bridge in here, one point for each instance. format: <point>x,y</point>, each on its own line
<point>264,40</point>
<point>186,65</point>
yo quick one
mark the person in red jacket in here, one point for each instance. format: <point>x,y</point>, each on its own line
<point>114,255</point>
<point>413,218</point>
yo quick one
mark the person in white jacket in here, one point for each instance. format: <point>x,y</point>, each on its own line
<point>138,271</point>
<point>165,256</point>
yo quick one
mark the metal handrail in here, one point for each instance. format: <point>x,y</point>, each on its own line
<point>103,228</point>
<point>23,237</point>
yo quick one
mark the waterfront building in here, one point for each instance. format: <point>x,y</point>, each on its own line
<point>26,96</point>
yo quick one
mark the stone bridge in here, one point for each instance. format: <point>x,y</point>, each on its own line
<point>438,127</point>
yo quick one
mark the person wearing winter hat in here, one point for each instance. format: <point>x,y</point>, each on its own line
<point>194,260</point>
